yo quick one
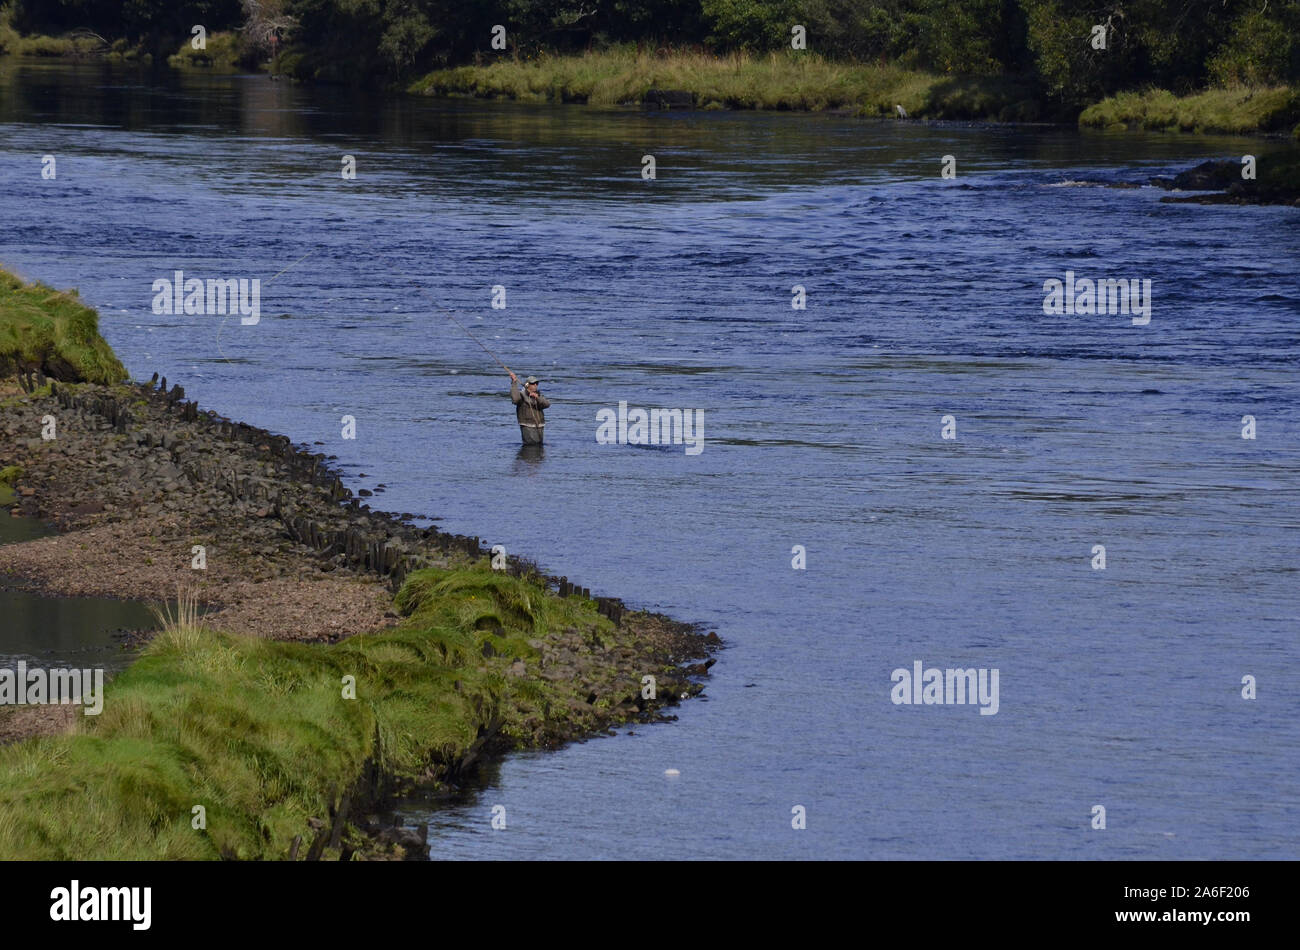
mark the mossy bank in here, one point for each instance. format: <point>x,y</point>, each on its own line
<point>343,657</point>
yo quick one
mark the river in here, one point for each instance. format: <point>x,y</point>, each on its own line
<point>1119,687</point>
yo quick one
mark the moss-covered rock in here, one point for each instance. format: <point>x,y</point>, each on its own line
<point>1276,181</point>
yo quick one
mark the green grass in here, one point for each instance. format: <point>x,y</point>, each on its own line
<point>791,80</point>
<point>44,328</point>
<point>9,475</point>
<point>77,43</point>
<point>1240,110</point>
<point>14,44</point>
<point>260,734</point>
<point>222,52</point>
<point>805,81</point>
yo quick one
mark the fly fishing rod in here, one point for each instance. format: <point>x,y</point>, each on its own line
<point>453,319</point>
<point>223,316</point>
<point>497,359</point>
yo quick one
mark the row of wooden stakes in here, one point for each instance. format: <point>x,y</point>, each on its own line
<point>362,550</point>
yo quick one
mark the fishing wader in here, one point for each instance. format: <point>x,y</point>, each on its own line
<point>528,412</point>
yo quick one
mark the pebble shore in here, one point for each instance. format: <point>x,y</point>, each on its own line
<point>137,478</point>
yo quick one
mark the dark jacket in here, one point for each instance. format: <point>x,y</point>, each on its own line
<point>528,410</point>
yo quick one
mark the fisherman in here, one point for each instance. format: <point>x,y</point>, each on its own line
<point>528,409</point>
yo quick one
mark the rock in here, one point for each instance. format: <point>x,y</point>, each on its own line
<point>1278,183</point>
<point>669,98</point>
<point>1208,176</point>
<point>408,838</point>
<point>517,668</point>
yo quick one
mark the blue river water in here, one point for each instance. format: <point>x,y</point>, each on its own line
<point>823,427</point>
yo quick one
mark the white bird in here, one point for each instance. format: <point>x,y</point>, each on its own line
<point>902,113</point>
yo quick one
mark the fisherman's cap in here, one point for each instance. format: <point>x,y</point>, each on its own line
<point>531,379</point>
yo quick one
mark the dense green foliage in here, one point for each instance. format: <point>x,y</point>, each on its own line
<point>160,22</point>
<point>1178,45</point>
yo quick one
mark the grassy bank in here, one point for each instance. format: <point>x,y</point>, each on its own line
<point>1235,111</point>
<point>262,734</point>
<point>280,740</point>
<point>53,331</point>
<point>78,44</point>
<point>222,52</point>
<point>801,81</point>
<point>777,81</point>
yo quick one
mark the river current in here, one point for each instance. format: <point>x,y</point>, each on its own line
<point>823,427</point>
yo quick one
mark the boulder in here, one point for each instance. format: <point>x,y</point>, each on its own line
<point>669,98</point>
<point>1208,176</point>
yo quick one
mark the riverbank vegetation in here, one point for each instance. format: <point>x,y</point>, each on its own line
<point>1234,110</point>
<point>53,332</point>
<point>278,741</point>
<point>9,474</point>
<point>266,737</point>
<point>1150,63</point>
<point>220,51</point>
<point>738,81</point>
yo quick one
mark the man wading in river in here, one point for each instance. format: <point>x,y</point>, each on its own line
<point>528,409</point>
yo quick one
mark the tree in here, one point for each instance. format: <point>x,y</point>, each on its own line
<point>264,19</point>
